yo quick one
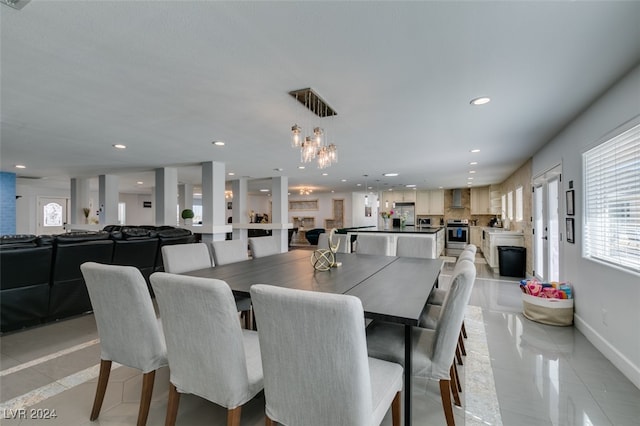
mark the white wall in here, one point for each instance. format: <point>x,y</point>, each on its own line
<point>606,298</point>
<point>136,213</point>
<point>325,208</point>
<point>26,205</point>
<point>357,213</point>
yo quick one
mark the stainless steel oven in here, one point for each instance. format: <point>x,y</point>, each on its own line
<point>457,235</point>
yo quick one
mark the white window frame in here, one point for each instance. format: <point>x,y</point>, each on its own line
<point>519,204</point>
<point>503,208</point>
<point>510,205</point>
<point>611,212</point>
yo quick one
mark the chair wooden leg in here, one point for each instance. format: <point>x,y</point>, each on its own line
<point>145,397</point>
<point>454,387</point>
<point>461,344</point>
<point>464,331</point>
<point>445,395</point>
<point>233,416</point>
<point>396,410</point>
<point>172,406</point>
<point>458,356</point>
<point>248,322</point>
<point>455,371</point>
<point>269,422</point>
<point>103,379</point>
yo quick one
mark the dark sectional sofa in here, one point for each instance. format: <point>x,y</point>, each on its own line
<point>40,278</point>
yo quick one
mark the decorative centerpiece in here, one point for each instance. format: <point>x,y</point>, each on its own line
<point>325,259</point>
<point>386,217</point>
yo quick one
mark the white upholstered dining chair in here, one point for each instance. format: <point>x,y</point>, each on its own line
<point>264,246</point>
<point>316,369</point>
<point>181,258</point>
<point>433,350</point>
<point>129,331</point>
<point>209,354</point>
<point>343,241</point>
<point>372,244</point>
<point>415,247</point>
<point>229,251</point>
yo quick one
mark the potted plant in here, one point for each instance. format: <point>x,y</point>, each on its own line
<point>187,215</point>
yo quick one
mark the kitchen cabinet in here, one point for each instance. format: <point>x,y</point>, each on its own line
<point>495,197</point>
<point>480,200</point>
<point>398,197</point>
<point>475,236</point>
<point>430,202</point>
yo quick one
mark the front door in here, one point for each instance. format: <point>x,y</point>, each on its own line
<point>546,226</point>
<point>52,215</point>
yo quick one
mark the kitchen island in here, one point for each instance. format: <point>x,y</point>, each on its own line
<point>435,234</point>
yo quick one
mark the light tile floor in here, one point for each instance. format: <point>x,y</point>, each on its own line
<point>517,372</point>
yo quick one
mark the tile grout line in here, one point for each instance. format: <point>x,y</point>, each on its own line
<point>52,389</point>
<point>48,357</point>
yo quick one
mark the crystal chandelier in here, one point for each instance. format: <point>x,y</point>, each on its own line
<point>305,191</point>
<point>314,146</point>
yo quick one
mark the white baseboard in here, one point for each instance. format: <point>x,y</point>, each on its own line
<point>631,371</point>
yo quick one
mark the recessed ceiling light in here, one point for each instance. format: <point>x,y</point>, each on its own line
<point>332,191</point>
<point>480,101</point>
<point>358,184</point>
<point>119,146</point>
<point>325,174</point>
<point>390,174</point>
<point>475,150</point>
<point>20,166</point>
<point>472,171</point>
<point>343,180</point>
<point>231,174</point>
<point>440,187</point>
<point>301,167</point>
<point>410,185</point>
<point>264,190</point>
<point>139,182</point>
<point>218,143</point>
<point>473,163</point>
<point>469,178</point>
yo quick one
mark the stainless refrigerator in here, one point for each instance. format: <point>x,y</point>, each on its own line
<point>409,208</point>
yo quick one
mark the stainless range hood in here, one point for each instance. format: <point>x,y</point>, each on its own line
<point>456,199</point>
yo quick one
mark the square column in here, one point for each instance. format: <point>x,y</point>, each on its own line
<point>185,196</point>
<point>214,226</point>
<point>280,210</point>
<point>240,213</point>
<point>80,198</point>
<point>108,198</point>
<point>167,196</point>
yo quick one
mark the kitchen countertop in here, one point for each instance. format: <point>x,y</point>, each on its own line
<point>493,230</point>
<point>397,230</point>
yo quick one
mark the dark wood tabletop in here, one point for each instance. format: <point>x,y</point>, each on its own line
<point>393,289</point>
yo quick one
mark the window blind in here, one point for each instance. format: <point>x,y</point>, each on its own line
<point>612,201</point>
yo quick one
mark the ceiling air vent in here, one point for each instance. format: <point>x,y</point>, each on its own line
<point>313,102</point>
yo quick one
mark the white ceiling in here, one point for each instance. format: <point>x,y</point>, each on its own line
<point>168,78</point>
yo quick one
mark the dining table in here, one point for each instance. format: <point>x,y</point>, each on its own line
<point>392,289</point>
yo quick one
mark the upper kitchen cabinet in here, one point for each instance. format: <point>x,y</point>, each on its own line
<point>480,200</point>
<point>430,202</point>
<point>495,199</point>
<point>399,197</point>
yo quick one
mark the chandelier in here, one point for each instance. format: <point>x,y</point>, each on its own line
<point>314,146</point>
<point>305,191</point>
